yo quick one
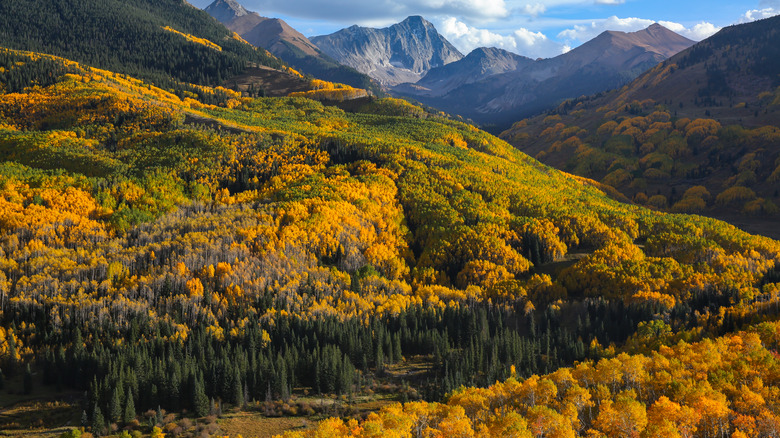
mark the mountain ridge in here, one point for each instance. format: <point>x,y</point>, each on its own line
<point>282,40</point>
<point>479,64</point>
<point>607,61</point>
<point>400,53</point>
<point>687,136</point>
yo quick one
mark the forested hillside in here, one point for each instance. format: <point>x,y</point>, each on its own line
<point>130,37</point>
<point>696,134</point>
<point>721,387</point>
<point>184,254</point>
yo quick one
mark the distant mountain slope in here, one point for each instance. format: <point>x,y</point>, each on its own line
<point>477,65</point>
<point>282,40</point>
<point>272,34</point>
<point>130,37</point>
<point>607,61</point>
<point>403,52</point>
<point>697,133</point>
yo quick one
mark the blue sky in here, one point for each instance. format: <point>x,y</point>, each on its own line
<point>534,28</point>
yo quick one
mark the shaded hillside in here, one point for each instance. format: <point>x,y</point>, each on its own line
<point>605,62</point>
<point>481,63</point>
<point>130,37</point>
<point>697,133</point>
<point>279,38</point>
<point>403,52</point>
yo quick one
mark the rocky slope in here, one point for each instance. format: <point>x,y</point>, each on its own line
<point>404,52</point>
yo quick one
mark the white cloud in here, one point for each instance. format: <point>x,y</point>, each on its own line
<point>585,32</point>
<point>522,41</point>
<point>535,9</point>
<point>610,2</point>
<point>758,14</point>
<point>701,31</point>
<point>698,32</point>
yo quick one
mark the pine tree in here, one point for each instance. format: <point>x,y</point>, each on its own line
<point>28,380</point>
<point>98,422</point>
<point>380,359</point>
<point>115,407</point>
<point>238,389</point>
<point>200,401</point>
<point>129,413</point>
<point>11,366</point>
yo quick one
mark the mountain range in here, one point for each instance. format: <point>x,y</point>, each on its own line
<point>490,86</point>
<point>512,87</point>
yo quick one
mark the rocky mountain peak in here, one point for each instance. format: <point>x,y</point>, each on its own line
<point>403,52</point>
<point>416,21</point>
<point>226,10</point>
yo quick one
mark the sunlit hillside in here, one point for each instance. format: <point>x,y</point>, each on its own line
<point>196,255</point>
<point>696,134</point>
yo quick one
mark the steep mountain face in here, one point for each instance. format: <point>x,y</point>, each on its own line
<point>608,61</point>
<point>284,41</point>
<point>477,65</point>
<point>698,133</point>
<point>404,52</point>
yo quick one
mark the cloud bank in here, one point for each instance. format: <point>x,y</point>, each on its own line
<point>583,33</point>
<point>522,41</point>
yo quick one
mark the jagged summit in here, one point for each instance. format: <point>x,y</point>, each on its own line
<point>403,52</point>
<point>226,10</point>
<point>416,20</point>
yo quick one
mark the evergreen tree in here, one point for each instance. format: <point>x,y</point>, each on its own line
<point>28,380</point>
<point>98,422</point>
<point>200,401</point>
<point>238,389</point>
<point>12,363</point>
<point>115,407</point>
<point>128,414</point>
